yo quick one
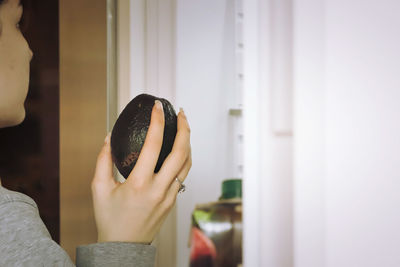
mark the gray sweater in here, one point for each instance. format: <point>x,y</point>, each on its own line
<point>25,241</point>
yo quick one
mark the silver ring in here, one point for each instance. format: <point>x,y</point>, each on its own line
<point>182,187</point>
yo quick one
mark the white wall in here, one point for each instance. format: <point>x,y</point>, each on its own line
<point>309,133</point>
<point>347,169</point>
<point>204,83</point>
<point>362,115</point>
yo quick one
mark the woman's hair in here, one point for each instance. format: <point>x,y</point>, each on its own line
<point>3,1</point>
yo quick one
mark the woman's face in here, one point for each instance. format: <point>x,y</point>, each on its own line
<point>15,56</point>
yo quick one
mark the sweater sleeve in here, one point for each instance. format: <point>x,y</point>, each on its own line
<point>25,241</point>
<point>112,254</point>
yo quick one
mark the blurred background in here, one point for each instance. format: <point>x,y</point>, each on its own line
<point>299,98</point>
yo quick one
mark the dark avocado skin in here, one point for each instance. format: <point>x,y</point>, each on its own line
<point>130,129</point>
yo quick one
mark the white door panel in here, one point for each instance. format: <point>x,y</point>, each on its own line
<point>358,100</point>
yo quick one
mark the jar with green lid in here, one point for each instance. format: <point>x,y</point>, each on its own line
<point>216,239</point>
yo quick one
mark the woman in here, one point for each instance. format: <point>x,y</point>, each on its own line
<point>127,215</point>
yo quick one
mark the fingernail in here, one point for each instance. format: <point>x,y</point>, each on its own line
<point>107,139</point>
<point>158,104</point>
<point>182,112</point>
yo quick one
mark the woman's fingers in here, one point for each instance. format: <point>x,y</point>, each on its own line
<point>174,187</point>
<point>103,177</point>
<point>150,152</point>
<point>183,173</point>
<point>178,156</point>
<point>127,215</point>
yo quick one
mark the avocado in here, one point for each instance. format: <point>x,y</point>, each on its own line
<point>130,130</point>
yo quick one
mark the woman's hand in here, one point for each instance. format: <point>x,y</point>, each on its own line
<point>134,211</point>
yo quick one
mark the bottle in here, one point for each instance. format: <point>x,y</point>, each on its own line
<point>216,234</point>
